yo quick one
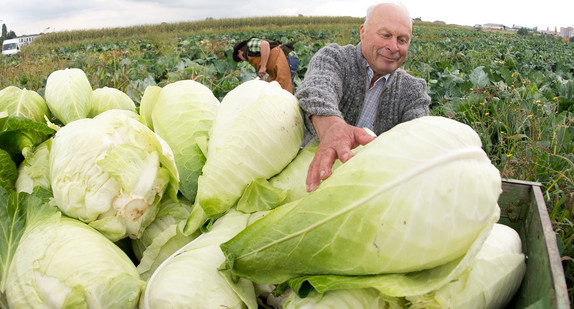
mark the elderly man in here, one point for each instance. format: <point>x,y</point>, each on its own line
<point>347,88</point>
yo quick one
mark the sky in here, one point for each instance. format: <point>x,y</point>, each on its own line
<point>43,16</point>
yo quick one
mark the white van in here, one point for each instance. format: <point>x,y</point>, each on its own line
<point>10,47</point>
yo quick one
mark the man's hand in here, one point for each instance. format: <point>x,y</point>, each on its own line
<point>261,73</point>
<point>336,140</point>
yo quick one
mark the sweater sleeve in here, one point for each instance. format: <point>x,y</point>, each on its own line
<point>418,100</point>
<point>322,88</point>
<point>404,98</point>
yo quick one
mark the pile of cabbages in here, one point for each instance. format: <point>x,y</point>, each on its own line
<point>185,201</point>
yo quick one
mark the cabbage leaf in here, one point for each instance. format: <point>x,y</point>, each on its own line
<point>19,136</point>
<point>147,104</point>
<point>163,237</point>
<point>12,225</point>
<point>8,171</point>
<point>367,298</point>
<point>35,170</point>
<point>22,121</point>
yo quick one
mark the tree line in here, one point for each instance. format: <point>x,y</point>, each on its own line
<point>6,35</point>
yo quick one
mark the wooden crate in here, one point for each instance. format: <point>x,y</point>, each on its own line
<point>544,285</point>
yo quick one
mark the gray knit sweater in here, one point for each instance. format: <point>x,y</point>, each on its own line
<point>335,85</point>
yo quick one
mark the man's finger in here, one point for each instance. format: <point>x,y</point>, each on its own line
<point>313,177</point>
<point>344,153</point>
<point>320,167</point>
<point>363,137</point>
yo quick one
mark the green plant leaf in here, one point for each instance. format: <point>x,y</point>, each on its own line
<point>479,78</point>
<point>8,171</point>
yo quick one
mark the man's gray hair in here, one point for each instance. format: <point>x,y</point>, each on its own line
<point>396,3</point>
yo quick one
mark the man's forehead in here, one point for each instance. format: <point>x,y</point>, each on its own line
<point>397,31</point>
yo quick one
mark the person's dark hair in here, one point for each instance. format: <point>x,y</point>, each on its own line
<point>238,46</point>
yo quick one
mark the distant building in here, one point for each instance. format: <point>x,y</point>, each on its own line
<point>494,26</point>
<point>26,39</point>
<point>518,27</point>
<point>566,32</point>
<point>548,32</point>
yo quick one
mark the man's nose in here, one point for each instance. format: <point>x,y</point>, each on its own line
<point>393,45</point>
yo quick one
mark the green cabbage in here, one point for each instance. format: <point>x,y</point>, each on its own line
<point>35,170</point>
<point>69,94</point>
<point>182,116</point>
<point>367,298</point>
<point>257,131</point>
<point>105,98</point>
<point>147,104</point>
<point>190,277</point>
<point>61,262</point>
<point>392,208</point>
<point>23,115</point>
<point>111,172</point>
<point>23,103</point>
<point>490,281</point>
<point>163,236</point>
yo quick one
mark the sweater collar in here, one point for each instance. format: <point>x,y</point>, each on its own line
<point>371,74</point>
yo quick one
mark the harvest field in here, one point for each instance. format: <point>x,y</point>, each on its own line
<point>516,91</point>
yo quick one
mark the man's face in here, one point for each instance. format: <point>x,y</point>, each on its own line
<point>385,38</point>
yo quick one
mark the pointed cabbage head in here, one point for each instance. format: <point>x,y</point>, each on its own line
<point>416,197</point>
<point>69,94</point>
<point>107,98</point>
<point>257,131</point>
<point>182,115</point>
<point>23,103</point>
